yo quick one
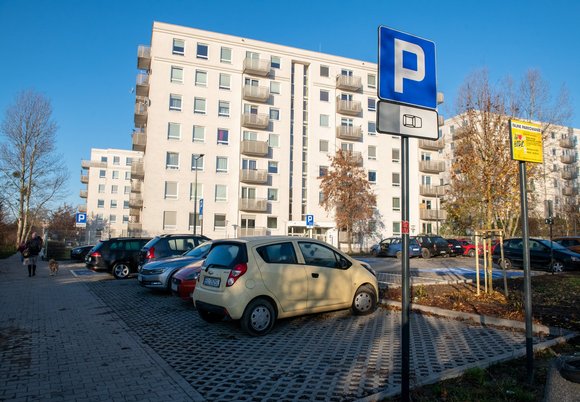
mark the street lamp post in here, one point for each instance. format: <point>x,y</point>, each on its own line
<point>195,159</point>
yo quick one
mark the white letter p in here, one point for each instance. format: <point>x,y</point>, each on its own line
<point>401,72</point>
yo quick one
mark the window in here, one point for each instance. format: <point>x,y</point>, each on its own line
<point>196,162</point>
<point>100,203</point>
<point>176,74</point>
<point>113,218</point>
<point>346,73</point>
<point>274,87</point>
<point>323,145</point>
<point>372,176</point>
<point>126,204</point>
<point>272,194</point>
<point>221,192</point>
<point>172,160</point>
<point>224,109</point>
<point>102,174</point>
<point>372,104</point>
<point>324,71</point>
<point>113,203</point>
<point>201,78</point>
<point>396,204</point>
<point>397,228</point>
<point>226,55</point>
<point>223,136</point>
<point>219,221</point>
<point>225,81</point>
<point>169,220</point>
<point>372,126</point>
<point>372,80</point>
<point>272,223</point>
<point>128,175</point>
<point>250,136</point>
<point>346,122</point>
<point>192,193</point>
<point>396,177</point>
<point>199,106</point>
<point>128,161</point>
<point>116,160</point>
<point>318,255</point>
<point>249,164</point>
<point>114,189</point>
<point>324,120</point>
<point>272,167</point>
<point>171,190</point>
<point>324,95</point>
<point>198,134</point>
<point>178,46</point>
<point>101,188</point>
<point>127,190</point>
<point>372,152</point>
<point>202,51</point>
<point>115,174</point>
<point>221,164</point>
<point>274,114</point>
<point>126,217</point>
<point>322,171</point>
<point>396,155</point>
<point>274,140</point>
<point>275,62</point>
<point>104,159</point>
<point>173,131</point>
<point>175,102</point>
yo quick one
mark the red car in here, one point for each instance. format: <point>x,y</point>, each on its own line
<point>184,280</point>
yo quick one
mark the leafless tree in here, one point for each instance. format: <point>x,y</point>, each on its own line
<point>31,172</point>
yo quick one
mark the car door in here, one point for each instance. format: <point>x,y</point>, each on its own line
<point>283,276</point>
<point>385,245</point>
<point>329,279</point>
<point>539,255</point>
<point>514,251</point>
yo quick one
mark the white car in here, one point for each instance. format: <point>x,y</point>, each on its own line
<point>259,279</point>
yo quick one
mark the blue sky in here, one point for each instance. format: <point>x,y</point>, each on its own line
<point>83,54</point>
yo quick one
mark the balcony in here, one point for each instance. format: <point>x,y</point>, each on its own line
<point>569,191</point>
<point>143,57</point>
<point>254,204</point>
<point>141,106</point>
<point>256,66</point>
<point>255,120</point>
<point>84,179</point>
<point>136,186</point>
<point>355,156</point>
<point>139,140</point>
<point>136,201</point>
<point>84,193</point>
<point>258,176</point>
<point>247,232</point>
<point>348,83</point>
<point>256,94</point>
<point>431,191</point>
<point>432,166</point>
<point>137,170</point>
<point>352,108</point>
<point>569,174</point>
<point>432,145</point>
<point>432,214</point>
<point>254,148</point>
<point>568,159</point>
<point>142,85</point>
<point>85,164</point>
<point>82,208</point>
<point>135,226</point>
<point>349,133</point>
<point>134,212</point>
<point>567,142</point>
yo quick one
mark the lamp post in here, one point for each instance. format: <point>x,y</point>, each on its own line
<point>195,159</point>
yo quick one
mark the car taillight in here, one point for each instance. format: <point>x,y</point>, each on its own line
<point>236,273</point>
<point>95,254</point>
<point>150,253</point>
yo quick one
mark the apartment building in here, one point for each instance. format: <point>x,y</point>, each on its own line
<point>245,128</point>
<point>108,178</point>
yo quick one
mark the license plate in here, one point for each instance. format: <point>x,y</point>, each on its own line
<point>174,287</point>
<point>212,282</point>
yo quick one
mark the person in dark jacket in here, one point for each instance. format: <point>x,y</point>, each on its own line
<point>33,246</point>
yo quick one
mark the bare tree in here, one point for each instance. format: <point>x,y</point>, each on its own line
<point>31,172</point>
<point>346,189</point>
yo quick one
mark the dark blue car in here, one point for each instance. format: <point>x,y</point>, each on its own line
<point>541,251</point>
<point>393,247</point>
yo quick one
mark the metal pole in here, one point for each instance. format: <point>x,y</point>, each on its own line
<point>195,201</point>
<point>527,276</point>
<point>551,245</point>
<point>405,307</point>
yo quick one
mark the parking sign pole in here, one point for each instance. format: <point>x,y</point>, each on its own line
<point>405,318</point>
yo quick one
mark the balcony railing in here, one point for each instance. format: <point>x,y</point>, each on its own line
<point>256,93</point>
<point>431,191</point>
<point>135,201</point>
<point>569,191</point>
<point>136,186</point>
<point>137,170</point>
<point>254,204</point>
<point>135,212</point>
<point>84,193</point>
<point>348,107</point>
<point>258,176</point>
<point>432,214</point>
<point>567,142</point>
<point>141,106</point>
<point>142,85</point>
<point>255,120</point>
<point>256,66</point>
<point>135,226</point>
<point>139,140</point>
<point>82,208</point>
<point>569,174</point>
<point>432,166</point>
<point>85,164</point>
<point>254,148</point>
<point>348,83</point>
<point>432,145</point>
<point>247,232</point>
<point>349,133</point>
<point>84,179</point>
<point>143,57</point>
<point>355,156</point>
<point>568,159</point>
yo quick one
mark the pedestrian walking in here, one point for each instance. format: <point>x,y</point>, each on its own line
<point>31,250</point>
<point>20,249</point>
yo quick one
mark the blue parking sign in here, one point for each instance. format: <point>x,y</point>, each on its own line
<point>201,206</point>
<point>309,220</point>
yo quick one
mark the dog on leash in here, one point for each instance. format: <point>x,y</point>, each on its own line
<point>53,266</point>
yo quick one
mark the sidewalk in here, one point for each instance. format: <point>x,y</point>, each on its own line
<point>59,342</point>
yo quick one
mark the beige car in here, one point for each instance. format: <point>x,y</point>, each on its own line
<point>259,279</point>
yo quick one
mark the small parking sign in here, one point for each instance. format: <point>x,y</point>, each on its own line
<point>309,221</point>
<point>81,219</point>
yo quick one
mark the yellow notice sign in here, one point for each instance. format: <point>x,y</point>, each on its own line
<point>526,141</point>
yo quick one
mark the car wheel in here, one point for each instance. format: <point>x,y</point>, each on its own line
<point>505,263</point>
<point>399,255</point>
<point>208,316</point>
<point>121,270</point>
<point>471,253</point>
<point>258,318</point>
<point>425,253</point>
<point>557,266</point>
<point>364,301</point>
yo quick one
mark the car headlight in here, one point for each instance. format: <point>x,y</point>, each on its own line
<point>154,271</point>
<point>368,268</point>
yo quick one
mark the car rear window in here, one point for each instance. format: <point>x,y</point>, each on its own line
<point>199,251</point>
<point>225,255</point>
<point>279,253</point>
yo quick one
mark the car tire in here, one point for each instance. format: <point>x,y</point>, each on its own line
<point>364,301</point>
<point>121,270</point>
<point>399,255</point>
<point>557,266</point>
<point>425,253</point>
<point>505,263</point>
<point>208,316</point>
<point>471,253</point>
<point>258,318</point>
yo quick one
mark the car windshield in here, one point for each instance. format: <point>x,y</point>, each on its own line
<point>200,251</point>
<point>555,245</point>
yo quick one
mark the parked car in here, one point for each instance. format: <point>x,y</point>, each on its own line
<point>570,242</point>
<point>259,279</point>
<point>79,253</point>
<point>432,246</point>
<point>168,245</point>
<point>184,280</point>
<point>540,255</point>
<point>455,247</point>
<point>157,274</point>
<point>118,256</point>
<point>393,247</point>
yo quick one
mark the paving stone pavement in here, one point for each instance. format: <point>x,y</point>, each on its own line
<point>90,337</point>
